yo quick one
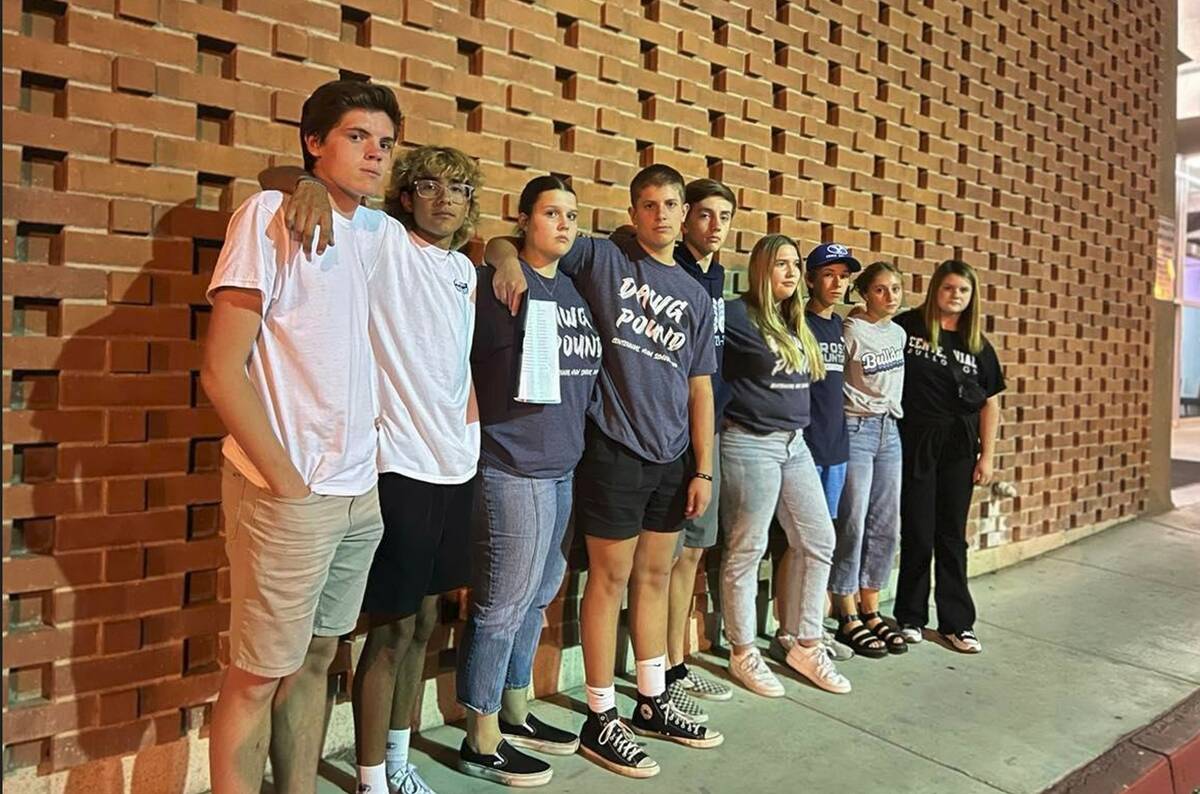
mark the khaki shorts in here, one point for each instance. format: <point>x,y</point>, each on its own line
<point>298,568</point>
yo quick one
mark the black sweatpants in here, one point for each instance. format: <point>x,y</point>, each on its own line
<point>935,498</point>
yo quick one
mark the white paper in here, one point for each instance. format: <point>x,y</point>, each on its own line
<point>539,355</point>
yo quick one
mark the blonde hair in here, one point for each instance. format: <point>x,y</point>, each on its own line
<point>433,162</point>
<point>970,323</point>
<point>783,325</point>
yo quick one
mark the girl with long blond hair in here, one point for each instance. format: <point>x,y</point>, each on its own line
<point>771,357</point>
<point>948,433</point>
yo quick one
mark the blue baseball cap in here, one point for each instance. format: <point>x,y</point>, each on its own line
<point>829,254</point>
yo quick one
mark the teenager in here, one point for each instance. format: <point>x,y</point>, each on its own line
<point>709,217</point>
<point>771,357</point>
<point>868,522</point>
<point>523,494</point>
<point>289,369</point>
<point>635,485</point>
<point>422,296</point>
<point>948,433</point>
<point>827,270</point>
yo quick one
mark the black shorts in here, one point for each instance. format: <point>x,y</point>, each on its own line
<point>425,545</point>
<point>618,494</point>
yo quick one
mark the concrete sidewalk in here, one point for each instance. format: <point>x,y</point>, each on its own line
<point>1082,646</point>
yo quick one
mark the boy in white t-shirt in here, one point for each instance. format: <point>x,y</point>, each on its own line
<point>422,298</point>
<point>290,370</point>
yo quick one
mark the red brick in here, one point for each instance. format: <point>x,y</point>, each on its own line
<point>133,75</point>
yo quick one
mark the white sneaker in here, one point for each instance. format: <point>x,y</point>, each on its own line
<point>964,641</point>
<point>408,781</point>
<point>912,634</point>
<point>753,673</point>
<point>815,665</point>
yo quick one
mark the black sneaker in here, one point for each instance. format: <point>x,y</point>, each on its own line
<point>508,766</point>
<point>655,716</point>
<point>607,741</point>
<point>534,734</point>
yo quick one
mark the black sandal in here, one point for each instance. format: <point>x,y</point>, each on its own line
<point>861,640</point>
<point>894,640</point>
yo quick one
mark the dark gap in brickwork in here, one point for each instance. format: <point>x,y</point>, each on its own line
<point>29,611</point>
<point>470,57</point>
<point>32,535</point>
<point>214,125</point>
<point>348,74</point>
<point>199,587</point>
<point>468,114</point>
<point>827,232</point>
<point>716,123</point>
<point>204,454</point>
<point>214,57</point>
<point>646,104</point>
<point>778,140</point>
<point>566,82</point>
<point>36,316</point>
<point>566,30</point>
<point>33,390</point>
<point>204,255</point>
<point>214,192</point>
<point>831,154</point>
<point>203,521</point>
<point>44,20</point>
<point>43,94</point>
<point>43,168</point>
<point>356,27</point>
<point>565,134</point>
<point>200,655</point>
<point>28,685</point>
<point>34,463</point>
<point>775,180</point>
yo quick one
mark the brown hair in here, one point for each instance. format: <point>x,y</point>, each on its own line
<point>657,175</point>
<point>325,107</point>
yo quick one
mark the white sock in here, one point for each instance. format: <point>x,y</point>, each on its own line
<point>373,778</point>
<point>601,698</point>
<point>652,676</point>
<point>397,750</point>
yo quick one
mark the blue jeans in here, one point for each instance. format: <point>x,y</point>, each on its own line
<point>518,556</point>
<point>833,479</point>
<point>868,525</point>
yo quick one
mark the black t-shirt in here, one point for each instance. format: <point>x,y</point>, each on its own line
<point>930,391</point>
<point>714,283</point>
<point>767,395</point>
<point>524,439</point>
<point>827,436</point>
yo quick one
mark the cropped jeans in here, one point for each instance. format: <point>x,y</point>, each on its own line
<point>868,523</point>
<point>518,558</point>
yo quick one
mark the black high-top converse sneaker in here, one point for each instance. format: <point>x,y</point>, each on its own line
<point>607,741</point>
<point>655,716</point>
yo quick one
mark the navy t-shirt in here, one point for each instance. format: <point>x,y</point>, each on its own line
<point>521,438</point>
<point>930,391</point>
<point>656,329</point>
<point>827,436</point>
<point>714,284</point>
<point>767,395</point>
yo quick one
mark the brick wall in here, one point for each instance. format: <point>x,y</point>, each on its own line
<point>1019,136</point>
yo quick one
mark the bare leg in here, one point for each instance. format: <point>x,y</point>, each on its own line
<point>679,603</point>
<point>412,665</point>
<point>241,732</point>
<point>297,720</point>
<point>609,564</point>
<point>483,731</point>
<point>649,585</point>
<point>374,684</point>
<point>514,706</point>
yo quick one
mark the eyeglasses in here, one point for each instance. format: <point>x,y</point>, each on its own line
<point>459,192</point>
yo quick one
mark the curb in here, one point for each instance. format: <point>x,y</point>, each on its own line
<point>1161,758</point>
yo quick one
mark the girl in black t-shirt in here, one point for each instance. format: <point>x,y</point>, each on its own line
<point>948,433</point>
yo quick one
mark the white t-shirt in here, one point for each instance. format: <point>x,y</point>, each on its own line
<point>312,363</point>
<point>422,321</point>
<point>874,368</point>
